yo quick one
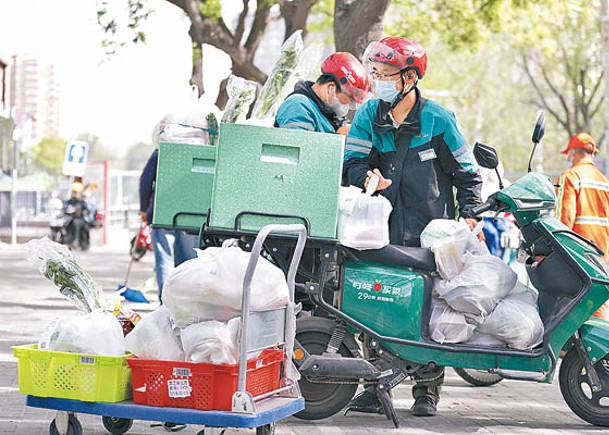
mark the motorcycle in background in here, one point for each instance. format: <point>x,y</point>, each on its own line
<point>70,223</point>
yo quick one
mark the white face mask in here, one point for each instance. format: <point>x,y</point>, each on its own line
<point>386,90</point>
<point>339,108</point>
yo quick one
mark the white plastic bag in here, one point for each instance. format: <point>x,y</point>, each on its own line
<point>447,325</point>
<point>96,333</point>
<point>485,340</point>
<point>516,320</point>
<point>154,337</point>
<point>481,284</point>
<point>449,240</point>
<point>210,286</point>
<point>363,222</point>
<point>194,122</point>
<point>241,94</point>
<point>212,341</point>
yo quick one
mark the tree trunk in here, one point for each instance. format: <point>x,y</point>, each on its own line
<point>295,15</point>
<point>357,23</point>
<point>196,77</point>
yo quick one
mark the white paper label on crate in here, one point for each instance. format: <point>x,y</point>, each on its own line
<point>179,388</point>
<point>179,371</point>
<point>87,359</point>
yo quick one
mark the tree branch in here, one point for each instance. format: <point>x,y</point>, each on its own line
<point>261,20</point>
<point>241,23</point>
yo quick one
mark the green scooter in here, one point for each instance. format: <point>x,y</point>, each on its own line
<point>345,288</point>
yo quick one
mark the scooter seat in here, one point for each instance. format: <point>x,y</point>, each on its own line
<point>417,258</point>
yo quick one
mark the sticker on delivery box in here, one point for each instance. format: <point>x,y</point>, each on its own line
<point>179,388</point>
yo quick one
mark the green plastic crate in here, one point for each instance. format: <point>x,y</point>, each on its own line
<point>90,378</point>
<point>278,171</point>
<point>185,175</point>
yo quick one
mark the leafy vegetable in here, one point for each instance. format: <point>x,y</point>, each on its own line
<point>58,264</point>
<point>272,91</point>
<point>241,94</point>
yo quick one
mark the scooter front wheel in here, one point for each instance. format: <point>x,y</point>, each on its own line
<point>323,400</point>
<point>478,378</point>
<point>575,388</point>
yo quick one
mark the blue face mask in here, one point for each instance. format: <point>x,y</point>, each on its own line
<point>386,90</point>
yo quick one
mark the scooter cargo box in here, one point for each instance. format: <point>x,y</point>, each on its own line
<point>282,172</point>
<point>185,175</point>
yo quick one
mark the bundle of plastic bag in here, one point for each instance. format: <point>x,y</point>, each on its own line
<point>241,94</point>
<point>275,87</point>
<point>210,286</point>
<point>516,320</point>
<point>363,222</point>
<point>481,284</point>
<point>449,240</point>
<point>96,333</point>
<point>154,337</point>
<point>59,265</point>
<point>447,325</point>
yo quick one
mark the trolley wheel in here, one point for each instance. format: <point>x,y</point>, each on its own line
<point>267,429</point>
<point>117,426</point>
<point>74,427</point>
<point>574,386</point>
<point>478,378</point>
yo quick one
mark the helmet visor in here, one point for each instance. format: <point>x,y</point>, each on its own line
<point>379,52</point>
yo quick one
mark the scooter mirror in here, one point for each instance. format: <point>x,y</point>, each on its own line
<point>540,127</point>
<point>486,156</point>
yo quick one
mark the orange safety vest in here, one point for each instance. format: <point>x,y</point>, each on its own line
<point>583,205</point>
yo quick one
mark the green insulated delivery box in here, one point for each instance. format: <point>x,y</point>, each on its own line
<point>185,175</point>
<point>277,171</point>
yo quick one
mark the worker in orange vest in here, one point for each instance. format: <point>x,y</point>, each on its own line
<point>583,197</point>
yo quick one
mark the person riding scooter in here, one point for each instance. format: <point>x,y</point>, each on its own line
<point>416,149</point>
<point>77,227</point>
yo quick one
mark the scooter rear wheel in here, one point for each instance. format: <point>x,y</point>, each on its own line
<point>478,378</point>
<point>575,388</point>
<point>322,400</point>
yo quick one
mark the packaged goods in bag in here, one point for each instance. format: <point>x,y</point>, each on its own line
<point>95,333</point>
<point>363,222</point>
<point>449,240</point>
<point>210,286</point>
<point>447,325</point>
<point>515,319</point>
<point>154,337</point>
<point>481,284</point>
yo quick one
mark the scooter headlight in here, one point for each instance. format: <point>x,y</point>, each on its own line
<point>534,205</point>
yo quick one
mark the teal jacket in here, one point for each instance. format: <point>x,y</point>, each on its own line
<point>426,157</point>
<point>303,110</point>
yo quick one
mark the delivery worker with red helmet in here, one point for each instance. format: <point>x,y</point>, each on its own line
<point>415,147</point>
<point>582,196</point>
<point>322,106</point>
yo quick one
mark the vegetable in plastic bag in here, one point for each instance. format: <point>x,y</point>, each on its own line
<point>212,341</point>
<point>154,337</point>
<point>59,265</point>
<point>241,94</point>
<point>273,90</point>
<point>210,287</point>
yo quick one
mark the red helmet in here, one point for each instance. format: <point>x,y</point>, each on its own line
<point>400,52</point>
<point>353,78</point>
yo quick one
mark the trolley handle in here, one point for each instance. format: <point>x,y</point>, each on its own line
<point>247,283</point>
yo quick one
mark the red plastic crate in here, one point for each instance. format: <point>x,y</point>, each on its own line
<point>201,386</point>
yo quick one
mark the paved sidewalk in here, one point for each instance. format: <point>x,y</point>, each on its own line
<point>28,301</point>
